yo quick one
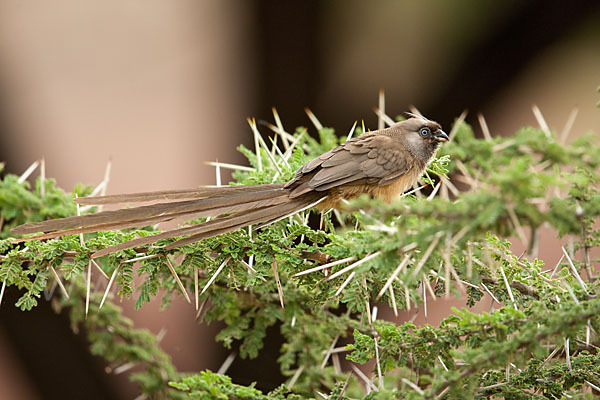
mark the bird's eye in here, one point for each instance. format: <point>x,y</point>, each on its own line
<point>425,132</point>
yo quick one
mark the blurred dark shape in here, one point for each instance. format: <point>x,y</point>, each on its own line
<point>56,359</point>
<point>288,72</point>
<point>508,48</point>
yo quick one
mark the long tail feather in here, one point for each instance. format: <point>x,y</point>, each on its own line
<point>145,215</point>
<point>199,193</point>
<point>214,227</point>
<point>281,214</point>
<point>154,220</point>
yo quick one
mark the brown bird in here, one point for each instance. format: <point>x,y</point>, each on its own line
<point>382,163</point>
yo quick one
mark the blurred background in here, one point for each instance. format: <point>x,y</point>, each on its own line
<point>159,87</point>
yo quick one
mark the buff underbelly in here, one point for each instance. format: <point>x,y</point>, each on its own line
<point>388,192</point>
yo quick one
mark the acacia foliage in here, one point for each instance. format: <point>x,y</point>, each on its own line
<point>539,341</point>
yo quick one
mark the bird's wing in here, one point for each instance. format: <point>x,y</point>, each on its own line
<point>372,159</point>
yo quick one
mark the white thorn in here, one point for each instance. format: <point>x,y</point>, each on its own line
<point>353,265</point>
<point>112,278</point>
<point>541,121</point>
<point>313,118</point>
<point>484,127</point>
<point>60,284</point>
<point>28,172</point>
<point>380,122</point>
<point>181,287</point>
<point>212,278</point>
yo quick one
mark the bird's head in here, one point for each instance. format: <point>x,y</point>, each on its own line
<point>422,136</point>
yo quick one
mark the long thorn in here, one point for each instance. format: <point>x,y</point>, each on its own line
<point>557,265</point>
<point>508,289</point>
<point>394,274</point>
<point>415,111</point>
<point>212,278</point>
<point>100,269</point>
<point>384,117</point>
<point>295,377</point>
<point>590,384</point>
<point>251,269</point>
<point>256,145</point>
<point>227,363</point>
<point>361,375</point>
<point>428,252</point>
<point>284,139</point>
<point>324,266</point>
<point>574,271</point>
<point>112,278</point>
<point>353,265</point>
<point>463,170</point>
<point>278,151</point>
<point>469,260</point>
<point>489,292</point>
<point>352,131</point>
<point>345,283</point>
<point>380,122</point>
<point>324,363</point>
<point>379,374</point>
<point>174,273</point>
<point>434,191</point>
<point>28,172</point>
<point>414,190</point>
<point>196,292</point>
<point>413,386</point>
<point>541,121</point>
<point>568,356</point>
<point>429,288</point>
<point>295,141</point>
<point>89,272</point>
<point>393,298</point>
<point>587,332</point>
<point>484,127</point>
<point>60,284</point>
<point>230,166</point>
<point>277,281</point>
<point>450,186</point>
<point>2,291</point>
<point>446,277</point>
<point>442,363</point>
<point>313,118</point>
<point>218,174</point>
<point>88,287</point>
<point>146,257</point>
<point>264,146</point>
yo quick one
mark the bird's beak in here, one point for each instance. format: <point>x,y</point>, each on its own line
<point>441,136</point>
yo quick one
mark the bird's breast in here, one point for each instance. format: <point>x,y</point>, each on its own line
<point>392,191</point>
<point>387,193</point>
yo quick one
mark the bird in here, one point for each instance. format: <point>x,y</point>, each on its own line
<point>382,164</point>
